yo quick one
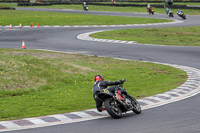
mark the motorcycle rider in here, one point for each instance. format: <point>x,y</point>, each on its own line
<point>179,11</point>
<point>148,8</point>
<point>84,4</point>
<point>167,10</point>
<point>170,13</point>
<point>99,86</point>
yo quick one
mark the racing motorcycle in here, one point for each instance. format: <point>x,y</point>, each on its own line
<point>182,15</point>
<point>116,106</point>
<point>171,14</point>
<point>150,11</point>
<point>85,8</point>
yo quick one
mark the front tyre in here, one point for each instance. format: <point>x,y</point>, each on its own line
<point>184,16</point>
<point>112,109</point>
<point>136,105</point>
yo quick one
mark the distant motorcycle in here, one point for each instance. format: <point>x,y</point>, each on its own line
<point>181,14</point>
<point>171,14</point>
<point>85,8</point>
<point>150,11</point>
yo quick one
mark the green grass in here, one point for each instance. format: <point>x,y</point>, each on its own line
<point>113,8</point>
<point>154,3</point>
<point>56,18</point>
<point>121,9</point>
<point>35,83</point>
<point>175,3</point>
<point>181,36</point>
<point>8,5</point>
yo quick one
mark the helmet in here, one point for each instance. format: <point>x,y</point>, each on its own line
<point>98,77</point>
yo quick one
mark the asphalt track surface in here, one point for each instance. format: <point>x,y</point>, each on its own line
<point>178,117</point>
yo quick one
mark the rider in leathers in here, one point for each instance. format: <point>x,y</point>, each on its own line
<point>99,85</point>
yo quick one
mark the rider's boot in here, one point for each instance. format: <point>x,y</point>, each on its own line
<point>100,109</point>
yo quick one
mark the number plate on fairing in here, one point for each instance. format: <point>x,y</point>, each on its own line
<point>106,91</point>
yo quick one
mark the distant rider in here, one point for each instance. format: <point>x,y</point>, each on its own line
<point>100,85</point>
<point>167,10</point>
<point>179,12</point>
<point>148,8</point>
<point>170,13</point>
<point>84,4</point>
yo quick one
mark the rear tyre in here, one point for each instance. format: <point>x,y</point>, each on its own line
<point>112,109</point>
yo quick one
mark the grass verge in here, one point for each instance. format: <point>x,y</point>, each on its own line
<point>122,9</point>
<point>56,18</point>
<point>180,36</point>
<point>35,83</point>
<point>113,8</point>
<point>153,3</point>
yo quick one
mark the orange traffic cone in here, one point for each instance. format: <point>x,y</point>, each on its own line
<point>20,25</point>
<point>23,45</point>
<point>10,26</point>
<point>38,25</point>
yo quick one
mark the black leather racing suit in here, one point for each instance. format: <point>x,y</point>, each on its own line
<point>99,86</point>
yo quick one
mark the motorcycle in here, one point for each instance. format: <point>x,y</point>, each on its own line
<point>171,14</point>
<point>182,15</point>
<point>116,106</point>
<point>150,11</point>
<point>85,8</point>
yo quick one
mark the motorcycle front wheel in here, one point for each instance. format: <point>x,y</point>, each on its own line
<point>112,109</point>
<point>136,105</point>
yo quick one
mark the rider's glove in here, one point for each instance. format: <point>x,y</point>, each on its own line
<point>122,81</point>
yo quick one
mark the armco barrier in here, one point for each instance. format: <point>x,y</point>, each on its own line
<point>33,4</point>
<point>7,8</point>
<point>140,1</point>
<point>146,1</point>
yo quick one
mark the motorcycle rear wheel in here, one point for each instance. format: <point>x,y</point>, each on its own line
<point>112,109</point>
